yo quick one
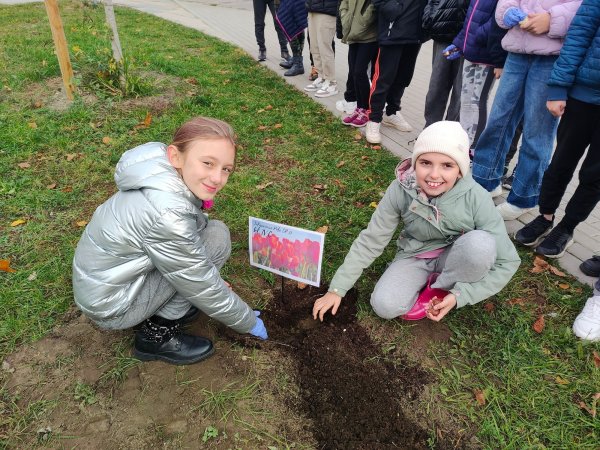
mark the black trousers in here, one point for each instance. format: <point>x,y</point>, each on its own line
<point>357,86</point>
<point>394,70</point>
<point>579,128</point>
<point>260,11</point>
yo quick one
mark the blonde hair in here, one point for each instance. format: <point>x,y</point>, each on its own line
<point>200,128</point>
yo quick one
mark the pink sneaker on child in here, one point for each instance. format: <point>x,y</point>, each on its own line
<point>418,312</point>
<point>349,119</point>
<point>361,118</point>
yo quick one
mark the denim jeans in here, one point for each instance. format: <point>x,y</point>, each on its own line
<point>522,92</point>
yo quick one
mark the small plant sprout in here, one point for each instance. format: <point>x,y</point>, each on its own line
<point>210,432</point>
<point>84,394</point>
<point>225,403</point>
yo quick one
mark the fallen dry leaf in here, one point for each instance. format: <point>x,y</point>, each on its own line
<point>277,125</point>
<point>376,147</point>
<point>191,80</point>
<point>16,223</point>
<point>262,187</point>
<point>357,137</point>
<point>479,396</point>
<point>320,187</point>
<point>106,140</point>
<point>146,123</point>
<point>373,204</point>
<point>364,157</point>
<point>24,165</point>
<point>37,105</point>
<point>32,276</point>
<point>539,324</point>
<point>71,156</point>
<point>359,204</point>
<point>516,301</point>
<point>5,266</point>
<point>539,265</point>
<point>51,186</point>
<point>262,128</point>
<point>561,380</point>
<point>489,307</point>
<point>596,359</point>
<point>302,285</point>
<point>268,107</point>
<point>556,272</point>
<point>563,285</point>
<point>340,164</point>
<point>81,223</point>
<point>32,125</point>
<point>322,229</point>
<point>67,189</point>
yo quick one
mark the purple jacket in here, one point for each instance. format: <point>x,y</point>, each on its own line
<point>520,41</point>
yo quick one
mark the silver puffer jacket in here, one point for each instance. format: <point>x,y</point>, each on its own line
<point>152,222</point>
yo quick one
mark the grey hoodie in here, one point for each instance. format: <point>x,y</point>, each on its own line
<point>152,222</point>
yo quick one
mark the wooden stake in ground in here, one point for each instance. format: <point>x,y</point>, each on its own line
<point>115,41</point>
<point>60,44</point>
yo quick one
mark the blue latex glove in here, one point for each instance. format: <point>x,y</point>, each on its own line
<point>451,52</point>
<point>513,16</point>
<point>259,329</point>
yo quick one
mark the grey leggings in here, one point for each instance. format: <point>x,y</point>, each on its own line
<point>159,297</point>
<point>468,260</point>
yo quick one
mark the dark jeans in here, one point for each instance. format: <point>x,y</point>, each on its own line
<point>359,57</point>
<point>578,128</point>
<point>394,70</point>
<point>446,77</point>
<point>260,11</point>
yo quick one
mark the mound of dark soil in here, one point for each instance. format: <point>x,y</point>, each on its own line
<point>352,393</point>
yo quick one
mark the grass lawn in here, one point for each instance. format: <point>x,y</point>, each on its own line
<point>514,386</point>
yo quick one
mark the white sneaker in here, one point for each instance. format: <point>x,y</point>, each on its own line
<point>397,121</point>
<point>328,89</point>
<point>511,212</point>
<point>372,133</point>
<point>587,323</point>
<point>315,85</point>
<point>497,191</point>
<point>345,107</point>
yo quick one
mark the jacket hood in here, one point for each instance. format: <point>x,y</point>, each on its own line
<point>407,177</point>
<point>147,167</point>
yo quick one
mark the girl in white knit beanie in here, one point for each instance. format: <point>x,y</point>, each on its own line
<point>453,244</point>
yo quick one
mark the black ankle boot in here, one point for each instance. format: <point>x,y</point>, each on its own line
<point>287,63</point>
<point>285,54</point>
<point>297,67</point>
<point>262,55</point>
<point>165,341</point>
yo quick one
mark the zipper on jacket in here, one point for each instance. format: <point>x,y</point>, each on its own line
<point>390,28</point>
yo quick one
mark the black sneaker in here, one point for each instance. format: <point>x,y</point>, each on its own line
<point>556,243</point>
<point>532,233</point>
<point>262,55</point>
<point>591,267</point>
<point>508,181</point>
<point>167,343</point>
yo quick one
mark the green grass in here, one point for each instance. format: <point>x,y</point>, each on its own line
<point>533,383</point>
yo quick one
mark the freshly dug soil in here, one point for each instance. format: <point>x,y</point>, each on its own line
<point>349,389</point>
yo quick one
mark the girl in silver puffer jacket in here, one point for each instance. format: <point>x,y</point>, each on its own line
<point>150,256</point>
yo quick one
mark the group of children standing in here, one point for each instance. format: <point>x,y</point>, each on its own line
<point>150,258</point>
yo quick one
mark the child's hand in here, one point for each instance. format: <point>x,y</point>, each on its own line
<point>329,301</point>
<point>556,107</point>
<point>451,52</point>
<point>498,72</point>
<point>536,23</point>
<point>437,311</point>
<point>259,329</point>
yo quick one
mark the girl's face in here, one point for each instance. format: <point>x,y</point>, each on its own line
<point>436,173</point>
<point>204,166</point>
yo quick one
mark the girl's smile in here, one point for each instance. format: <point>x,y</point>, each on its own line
<point>205,165</point>
<point>436,173</point>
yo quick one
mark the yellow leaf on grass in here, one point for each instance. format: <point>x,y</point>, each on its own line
<point>322,229</point>
<point>277,125</point>
<point>5,266</point>
<point>32,125</point>
<point>106,140</point>
<point>81,223</point>
<point>24,165</point>
<point>17,222</point>
<point>563,285</point>
<point>373,204</point>
<point>357,136</point>
<point>561,381</point>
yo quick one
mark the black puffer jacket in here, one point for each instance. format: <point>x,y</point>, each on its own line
<point>443,19</point>
<point>329,7</point>
<point>399,21</point>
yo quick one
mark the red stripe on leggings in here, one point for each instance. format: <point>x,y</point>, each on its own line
<point>374,81</point>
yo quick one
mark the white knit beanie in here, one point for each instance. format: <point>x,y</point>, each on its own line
<point>444,137</point>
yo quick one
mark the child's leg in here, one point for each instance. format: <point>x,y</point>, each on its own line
<point>365,53</point>
<point>539,131</point>
<point>468,260</point>
<point>506,112</point>
<point>260,10</point>
<point>443,76</point>
<point>386,68</point>
<point>398,288</point>
<point>326,33</point>
<point>578,128</point>
<point>403,77</point>
<point>313,42</point>
<point>477,81</point>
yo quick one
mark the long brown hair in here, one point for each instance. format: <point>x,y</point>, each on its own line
<point>202,128</point>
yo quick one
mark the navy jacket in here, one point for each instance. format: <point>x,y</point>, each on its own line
<point>480,38</point>
<point>576,72</point>
<point>399,21</point>
<point>292,18</point>
<point>443,19</point>
<point>329,7</point>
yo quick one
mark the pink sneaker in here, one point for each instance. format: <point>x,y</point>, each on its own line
<point>418,312</point>
<point>349,119</point>
<point>361,118</point>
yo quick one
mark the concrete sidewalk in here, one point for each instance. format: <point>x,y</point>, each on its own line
<point>232,21</point>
